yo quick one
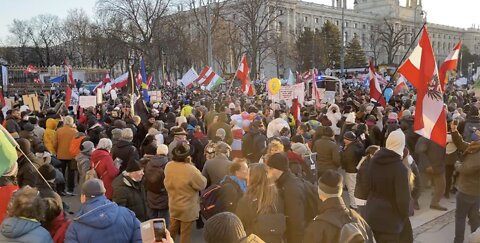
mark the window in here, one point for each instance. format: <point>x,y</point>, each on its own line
<point>279,26</point>
<point>305,19</point>
<point>355,25</point>
<point>337,23</point>
<point>364,26</point>
<point>346,24</point>
<point>316,20</point>
<point>280,12</point>
<point>354,35</point>
<point>306,29</point>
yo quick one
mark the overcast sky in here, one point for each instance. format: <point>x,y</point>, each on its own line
<point>459,13</point>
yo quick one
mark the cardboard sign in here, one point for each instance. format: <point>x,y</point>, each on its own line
<point>155,95</point>
<point>31,101</point>
<point>87,101</point>
<point>288,93</point>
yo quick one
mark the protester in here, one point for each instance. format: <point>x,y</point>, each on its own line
<point>24,214</point>
<point>100,220</point>
<point>64,138</point>
<point>183,182</point>
<point>350,157</point>
<point>254,142</point>
<point>157,196</point>
<point>128,190</point>
<point>227,227</point>
<point>26,174</point>
<point>102,163</point>
<point>83,160</point>
<point>334,214</point>
<point>261,208</point>
<point>125,151</point>
<point>217,168</point>
<point>55,220</point>
<point>328,152</point>
<point>50,136</point>
<point>8,186</point>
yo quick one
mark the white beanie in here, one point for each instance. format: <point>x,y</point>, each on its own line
<point>396,142</point>
<point>162,149</point>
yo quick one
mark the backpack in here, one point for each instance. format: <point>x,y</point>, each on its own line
<point>74,148</point>
<point>311,200</point>
<point>92,173</point>
<point>210,203</point>
<point>312,167</point>
<point>350,232</point>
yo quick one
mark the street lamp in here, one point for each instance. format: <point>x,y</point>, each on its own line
<point>342,55</point>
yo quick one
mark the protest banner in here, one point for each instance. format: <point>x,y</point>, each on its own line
<point>87,101</point>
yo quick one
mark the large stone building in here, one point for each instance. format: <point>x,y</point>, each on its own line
<point>366,15</point>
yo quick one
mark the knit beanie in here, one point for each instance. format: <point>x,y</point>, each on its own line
<point>132,166</point>
<point>162,149</point>
<point>48,172</point>
<point>93,188</point>
<point>396,142</point>
<point>278,161</point>
<point>350,136</point>
<point>87,146</point>
<point>224,227</point>
<point>331,182</point>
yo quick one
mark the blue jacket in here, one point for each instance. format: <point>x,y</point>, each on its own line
<point>100,220</point>
<point>23,230</point>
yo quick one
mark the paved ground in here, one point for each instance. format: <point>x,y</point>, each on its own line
<point>428,225</point>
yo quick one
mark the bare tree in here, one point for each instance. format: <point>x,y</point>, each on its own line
<point>44,32</point>
<point>255,19</point>
<point>392,36</point>
<point>76,30</point>
<point>19,31</point>
<point>374,43</point>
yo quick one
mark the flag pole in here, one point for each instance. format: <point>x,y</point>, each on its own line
<point>401,62</point>
<point>132,103</point>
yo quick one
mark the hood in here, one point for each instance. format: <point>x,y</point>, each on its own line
<point>122,143</point>
<point>98,213</point>
<point>51,123</point>
<point>385,156</point>
<point>99,154</point>
<point>17,227</point>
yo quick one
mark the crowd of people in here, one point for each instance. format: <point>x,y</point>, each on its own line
<point>242,168</point>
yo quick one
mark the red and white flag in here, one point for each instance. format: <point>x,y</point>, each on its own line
<point>68,96</point>
<point>204,77</point>
<point>295,110</point>
<point>449,64</point>
<point>69,71</point>
<point>102,84</point>
<point>401,85</point>
<point>316,95</point>
<point>120,82</point>
<point>37,80</point>
<point>421,70</point>
<point>139,78</point>
<point>243,73</point>
<point>375,90</point>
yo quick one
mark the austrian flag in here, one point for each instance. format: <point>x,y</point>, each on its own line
<point>375,90</point>
<point>421,70</point>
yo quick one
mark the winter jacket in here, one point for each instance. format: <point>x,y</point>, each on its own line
<point>469,171</point>
<point>23,230</point>
<point>375,135</point>
<point>26,172</point>
<point>334,118</point>
<point>247,212</point>
<point>125,151</point>
<point>106,170</point>
<point>328,155</point>
<point>50,136</point>
<point>76,143</point>
<point>230,193</point>
<point>351,156</point>
<point>157,197</point>
<point>216,169</point>
<point>362,180</point>
<point>7,187</point>
<point>470,124</point>
<point>275,126</point>
<point>100,220</point>
<point>83,165</point>
<point>35,141</point>
<point>65,135</point>
<point>388,194</point>
<point>183,182</point>
<point>430,154</point>
<point>58,227</point>
<point>254,144</point>
<point>95,133</point>
<point>291,190</point>
<point>130,194</point>
<point>333,214</point>
<point>221,123</point>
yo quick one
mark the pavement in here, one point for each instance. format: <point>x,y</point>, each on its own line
<point>428,225</point>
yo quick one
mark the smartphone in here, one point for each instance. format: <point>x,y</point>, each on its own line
<point>159,229</point>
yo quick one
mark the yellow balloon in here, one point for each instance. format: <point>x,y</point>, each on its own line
<point>274,86</point>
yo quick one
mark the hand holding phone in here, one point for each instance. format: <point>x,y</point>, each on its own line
<point>159,229</point>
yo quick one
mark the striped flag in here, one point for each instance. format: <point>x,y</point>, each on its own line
<point>189,77</point>
<point>205,76</point>
<point>375,90</point>
<point>401,85</point>
<point>421,70</point>
<point>449,64</point>
<point>105,81</point>
<point>8,153</point>
<point>216,80</point>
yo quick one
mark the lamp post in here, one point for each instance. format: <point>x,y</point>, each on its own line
<point>209,37</point>
<point>342,54</point>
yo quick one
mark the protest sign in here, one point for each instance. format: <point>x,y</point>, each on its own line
<point>87,101</point>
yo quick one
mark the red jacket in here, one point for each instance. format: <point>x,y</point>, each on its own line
<point>106,170</point>
<point>58,227</point>
<point>5,195</point>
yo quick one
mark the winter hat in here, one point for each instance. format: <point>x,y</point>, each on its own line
<point>182,151</point>
<point>222,147</point>
<point>48,172</point>
<point>93,188</point>
<point>28,127</point>
<point>396,142</point>
<point>300,148</point>
<point>87,146</point>
<point>278,161</point>
<point>371,120</point>
<point>162,149</point>
<point>331,182</point>
<point>178,131</point>
<point>224,227</point>
<point>350,136</point>
<point>220,133</point>
<point>127,134</point>
<point>132,166</point>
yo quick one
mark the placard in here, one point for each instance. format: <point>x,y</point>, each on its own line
<point>87,101</point>
<point>155,95</point>
<point>31,100</point>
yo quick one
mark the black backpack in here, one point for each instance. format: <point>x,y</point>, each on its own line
<point>312,200</point>
<point>210,202</point>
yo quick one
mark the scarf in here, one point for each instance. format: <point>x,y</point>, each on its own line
<point>241,183</point>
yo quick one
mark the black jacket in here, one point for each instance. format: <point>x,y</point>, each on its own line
<point>95,133</point>
<point>388,194</point>
<point>291,190</point>
<point>328,154</point>
<point>130,194</point>
<point>430,154</point>
<point>230,194</point>
<point>157,197</point>
<point>375,135</point>
<point>361,185</point>
<point>254,144</point>
<point>351,155</point>
<point>126,151</point>
<point>26,173</point>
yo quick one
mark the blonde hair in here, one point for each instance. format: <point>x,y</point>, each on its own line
<point>262,188</point>
<point>274,145</point>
